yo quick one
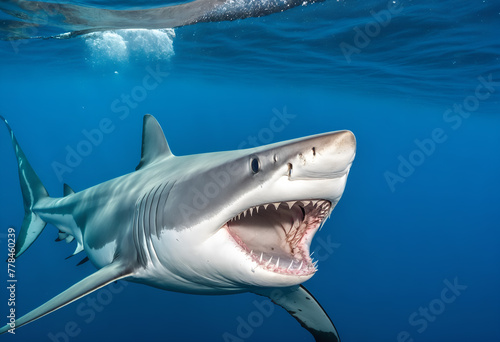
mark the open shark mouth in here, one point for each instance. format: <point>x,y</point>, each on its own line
<point>277,236</point>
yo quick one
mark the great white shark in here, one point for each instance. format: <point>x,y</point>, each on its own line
<point>213,223</point>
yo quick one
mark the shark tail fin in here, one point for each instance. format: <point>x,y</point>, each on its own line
<point>33,190</point>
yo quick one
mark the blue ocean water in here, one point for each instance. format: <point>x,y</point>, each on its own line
<point>411,252</point>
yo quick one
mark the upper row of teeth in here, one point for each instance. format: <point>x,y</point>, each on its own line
<point>276,206</point>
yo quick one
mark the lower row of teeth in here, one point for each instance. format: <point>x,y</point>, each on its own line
<point>274,262</point>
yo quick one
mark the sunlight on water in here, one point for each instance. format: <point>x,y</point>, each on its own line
<point>123,45</point>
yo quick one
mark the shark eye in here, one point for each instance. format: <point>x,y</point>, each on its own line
<point>255,165</point>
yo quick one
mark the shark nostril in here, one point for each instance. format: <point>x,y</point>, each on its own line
<point>314,150</point>
<point>290,167</point>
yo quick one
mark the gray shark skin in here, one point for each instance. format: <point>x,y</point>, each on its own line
<point>73,20</point>
<point>214,223</point>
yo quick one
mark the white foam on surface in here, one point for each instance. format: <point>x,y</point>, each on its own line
<point>127,44</point>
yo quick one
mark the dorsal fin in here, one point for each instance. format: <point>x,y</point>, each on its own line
<point>154,144</point>
<point>67,190</point>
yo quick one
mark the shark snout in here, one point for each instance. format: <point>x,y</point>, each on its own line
<point>342,142</point>
<point>327,155</point>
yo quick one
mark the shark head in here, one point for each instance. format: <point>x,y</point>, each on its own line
<point>246,218</point>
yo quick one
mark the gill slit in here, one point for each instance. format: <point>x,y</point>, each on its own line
<point>148,221</point>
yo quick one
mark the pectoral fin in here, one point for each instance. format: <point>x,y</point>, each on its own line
<point>301,304</point>
<point>88,285</point>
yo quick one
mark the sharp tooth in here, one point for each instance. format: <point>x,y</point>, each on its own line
<point>290,204</point>
<point>300,267</point>
<point>245,213</point>
<point>278,262</point>
<point>312,254</point>
<point>305,203</point>
<point>260,260</point>
<point>276,205</point>
<point>257,209</point>
<point>239,216</point>
<point>251,252</point>
<point>290,266</point>
<point>315,263</point>
<point>265,206</point>
<point>314,203</point>
<point>251,211</point>
<point>267,263</point>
